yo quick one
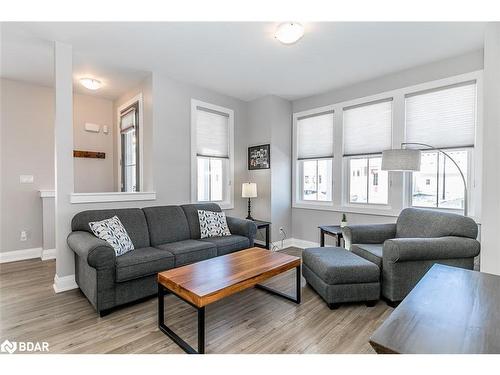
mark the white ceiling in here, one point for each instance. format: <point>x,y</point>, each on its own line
<point>240,59</point>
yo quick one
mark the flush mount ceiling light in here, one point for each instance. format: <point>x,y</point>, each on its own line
<point>91,83</point>
<point>289,32</point>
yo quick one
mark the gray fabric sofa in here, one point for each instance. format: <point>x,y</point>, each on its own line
<point>406,250</point>
<point>164,237</point>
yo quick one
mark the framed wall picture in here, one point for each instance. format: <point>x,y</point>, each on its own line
<point>259,157</point>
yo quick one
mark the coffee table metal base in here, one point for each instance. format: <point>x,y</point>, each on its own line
<point>162,291</point>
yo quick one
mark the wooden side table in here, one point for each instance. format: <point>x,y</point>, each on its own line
<point>334,231</point>
<point>267,226</point>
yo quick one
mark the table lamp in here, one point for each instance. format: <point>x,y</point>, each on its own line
<point>249,190</point>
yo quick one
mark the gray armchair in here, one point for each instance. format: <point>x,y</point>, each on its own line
<point>406,250</point>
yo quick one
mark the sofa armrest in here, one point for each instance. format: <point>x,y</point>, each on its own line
<point>411,249</point>
<point>243,227</point>
<point>98,253</point>
<point>368,234</point>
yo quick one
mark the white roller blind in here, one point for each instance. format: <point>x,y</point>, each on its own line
<point>368,128</point>
<point>212,133</point>
<point>315,136</point>
<point>442,118</point>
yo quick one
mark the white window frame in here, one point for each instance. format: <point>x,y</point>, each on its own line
<point>297,172</point>
<point>137,98</point>
<point>399,183</point>
<point>228,192</point>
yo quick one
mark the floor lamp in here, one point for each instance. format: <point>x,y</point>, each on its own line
<point>408,160</point>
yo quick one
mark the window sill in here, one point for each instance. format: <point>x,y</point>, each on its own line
<point>375,211</point>
<point>222,205</point>
<point>77,198</point>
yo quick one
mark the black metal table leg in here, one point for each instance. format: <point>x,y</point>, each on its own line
<point>322,238</point>
<point>201,330</point>
<point>175,338</point>
<point>267,238</point>
<point>295,299</point>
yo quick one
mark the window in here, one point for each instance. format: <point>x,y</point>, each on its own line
<point>367,132</point>
<point>129,138</point>
<point>314,156</point>
<point>444,118</point>
<point>212,145</point>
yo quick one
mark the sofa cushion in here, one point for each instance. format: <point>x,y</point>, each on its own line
<point>336,265</point>
<point>190,251</point>
<point>114,233</point>
<point>213,224</point>
<point>142,262</point>
<point>133,220</point>
<point>371,252</point>
<point>166,224</point>
<point>191,211</point>
<point>420,223</point>
<point>229,244</point>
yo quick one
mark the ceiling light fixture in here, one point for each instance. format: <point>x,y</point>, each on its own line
<point>91,83</point>
<point>289,32</point>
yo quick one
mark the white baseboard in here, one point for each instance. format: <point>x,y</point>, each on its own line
<point>36,252</point>
<point>295,242</point>
<point>64,283</point>
<point>48,254</point>
<point>17,255</point>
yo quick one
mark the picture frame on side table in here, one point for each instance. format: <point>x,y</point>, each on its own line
<point>259,157</point>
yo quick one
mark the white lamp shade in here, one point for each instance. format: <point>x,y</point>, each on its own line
<point>401,160</point>
<point>249,190</point>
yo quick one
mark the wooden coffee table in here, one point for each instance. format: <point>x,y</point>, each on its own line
<point>208,281</point>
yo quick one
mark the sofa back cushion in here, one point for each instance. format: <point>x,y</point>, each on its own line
<point>166,224</point>
<point>133,220</point>
<point>191,211</point>
<point>420,223</point>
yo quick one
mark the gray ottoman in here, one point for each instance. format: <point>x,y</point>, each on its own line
<point>339,276</point>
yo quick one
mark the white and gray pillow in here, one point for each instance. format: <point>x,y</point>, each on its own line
<point>113,232</point>
<point>213,224</point>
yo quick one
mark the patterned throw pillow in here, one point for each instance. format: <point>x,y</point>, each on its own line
<point>113,232</point>
<point>213,224</point>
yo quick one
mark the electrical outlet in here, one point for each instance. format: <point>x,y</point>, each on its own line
<point>24,236</point>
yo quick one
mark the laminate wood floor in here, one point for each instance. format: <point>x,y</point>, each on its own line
<point>252,321</point>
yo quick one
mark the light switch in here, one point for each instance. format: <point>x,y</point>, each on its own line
<point>26,179</point>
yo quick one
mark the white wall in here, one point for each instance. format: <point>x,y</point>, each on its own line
<point>27,123</point>
<point>93,175</point>
<point>490,250</point>
<point>305,221</point>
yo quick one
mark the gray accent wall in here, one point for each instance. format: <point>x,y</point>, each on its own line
<point>269,121</point>
<point>305,221</point>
